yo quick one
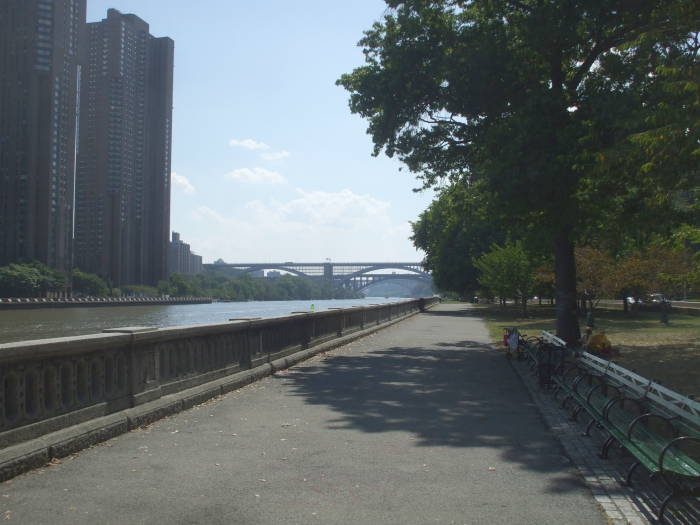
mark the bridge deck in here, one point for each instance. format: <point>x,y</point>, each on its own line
<point>420,423</point>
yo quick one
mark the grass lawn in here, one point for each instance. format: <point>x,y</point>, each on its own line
<point>669,354</point>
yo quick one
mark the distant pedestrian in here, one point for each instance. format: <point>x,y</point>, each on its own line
<point>664,313</point>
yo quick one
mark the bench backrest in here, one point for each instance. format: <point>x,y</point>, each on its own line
<point>552,339</point>
<point>667,399</point>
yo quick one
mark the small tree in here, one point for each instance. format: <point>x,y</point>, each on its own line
<point>544,282</point>
<point>89,284</point>
<point>594,269</point>
<point>508,272</point>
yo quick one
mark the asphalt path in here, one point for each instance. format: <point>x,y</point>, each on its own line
<point>421,423</point>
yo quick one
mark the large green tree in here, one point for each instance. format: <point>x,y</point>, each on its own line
<point>556,106</point>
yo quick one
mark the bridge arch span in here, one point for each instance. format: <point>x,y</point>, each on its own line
<point>283,268</point>
<point>388,266</point>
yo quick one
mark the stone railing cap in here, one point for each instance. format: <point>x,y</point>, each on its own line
<point>129,330</point>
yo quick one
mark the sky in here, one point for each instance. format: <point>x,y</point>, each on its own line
<point>268,163</point>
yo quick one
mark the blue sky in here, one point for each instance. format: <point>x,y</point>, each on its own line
<point>268,163</point>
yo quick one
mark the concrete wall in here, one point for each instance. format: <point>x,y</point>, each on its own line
<point>51,384</point>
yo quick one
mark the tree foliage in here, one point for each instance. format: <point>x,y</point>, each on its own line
<point>557,107</point>
<point>30,280</point>
<point>595,275</point>
<point>89,284</point>
<point>507,271</point>
<point>452,232</point>
<point>658,267</point>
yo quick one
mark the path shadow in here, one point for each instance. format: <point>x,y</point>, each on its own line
<point>462,311</point>
<point>457,394</point>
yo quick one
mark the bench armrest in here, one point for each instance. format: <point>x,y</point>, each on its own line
<point>673,444</point>
<point>646,416</point>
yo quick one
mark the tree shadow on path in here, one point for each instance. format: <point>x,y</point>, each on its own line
<point>457,394</point>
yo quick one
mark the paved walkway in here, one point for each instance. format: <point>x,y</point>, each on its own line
<point>420,423</point>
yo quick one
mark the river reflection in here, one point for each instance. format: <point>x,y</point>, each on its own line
<point>21,325</point>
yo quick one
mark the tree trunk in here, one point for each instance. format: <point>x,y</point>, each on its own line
<point>565,282</point>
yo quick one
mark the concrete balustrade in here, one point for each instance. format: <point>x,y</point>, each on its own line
<point>47,385</point>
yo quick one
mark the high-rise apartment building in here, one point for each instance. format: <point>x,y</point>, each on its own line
<point>39,85</point>
<point>123,174</point>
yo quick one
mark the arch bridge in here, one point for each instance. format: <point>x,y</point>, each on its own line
<point>355,275</point>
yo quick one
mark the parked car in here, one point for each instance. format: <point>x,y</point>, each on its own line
<point>657,301</point>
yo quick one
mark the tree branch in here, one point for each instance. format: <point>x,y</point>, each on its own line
<point>593,55</point>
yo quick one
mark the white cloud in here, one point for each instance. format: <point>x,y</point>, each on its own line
<point>275,155</point>
<point>182,183</point>
<point>313,225</point>
<point>249,144</point>
<point>256,176</point>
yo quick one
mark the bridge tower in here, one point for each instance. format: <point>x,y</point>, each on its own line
<point>328,271</point>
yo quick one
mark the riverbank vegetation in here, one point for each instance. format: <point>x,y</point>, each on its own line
<point>247,288</point>
<point>36,280</point>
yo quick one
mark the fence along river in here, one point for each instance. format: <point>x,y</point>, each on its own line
<point>24,325</point>
<point>131,374</point>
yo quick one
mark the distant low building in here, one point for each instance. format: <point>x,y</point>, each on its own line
<point>181,259</point>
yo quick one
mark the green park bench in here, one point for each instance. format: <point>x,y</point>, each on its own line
<point>659,428</point>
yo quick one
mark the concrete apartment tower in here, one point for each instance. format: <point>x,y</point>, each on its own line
<point>39,89</point>
<point>123,174</point>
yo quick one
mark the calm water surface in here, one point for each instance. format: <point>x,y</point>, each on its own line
<point>22,325</point>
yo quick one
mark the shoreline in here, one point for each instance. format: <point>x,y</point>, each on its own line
<point>39,303</point>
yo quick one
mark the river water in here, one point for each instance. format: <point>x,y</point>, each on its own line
<point>22,325</point>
